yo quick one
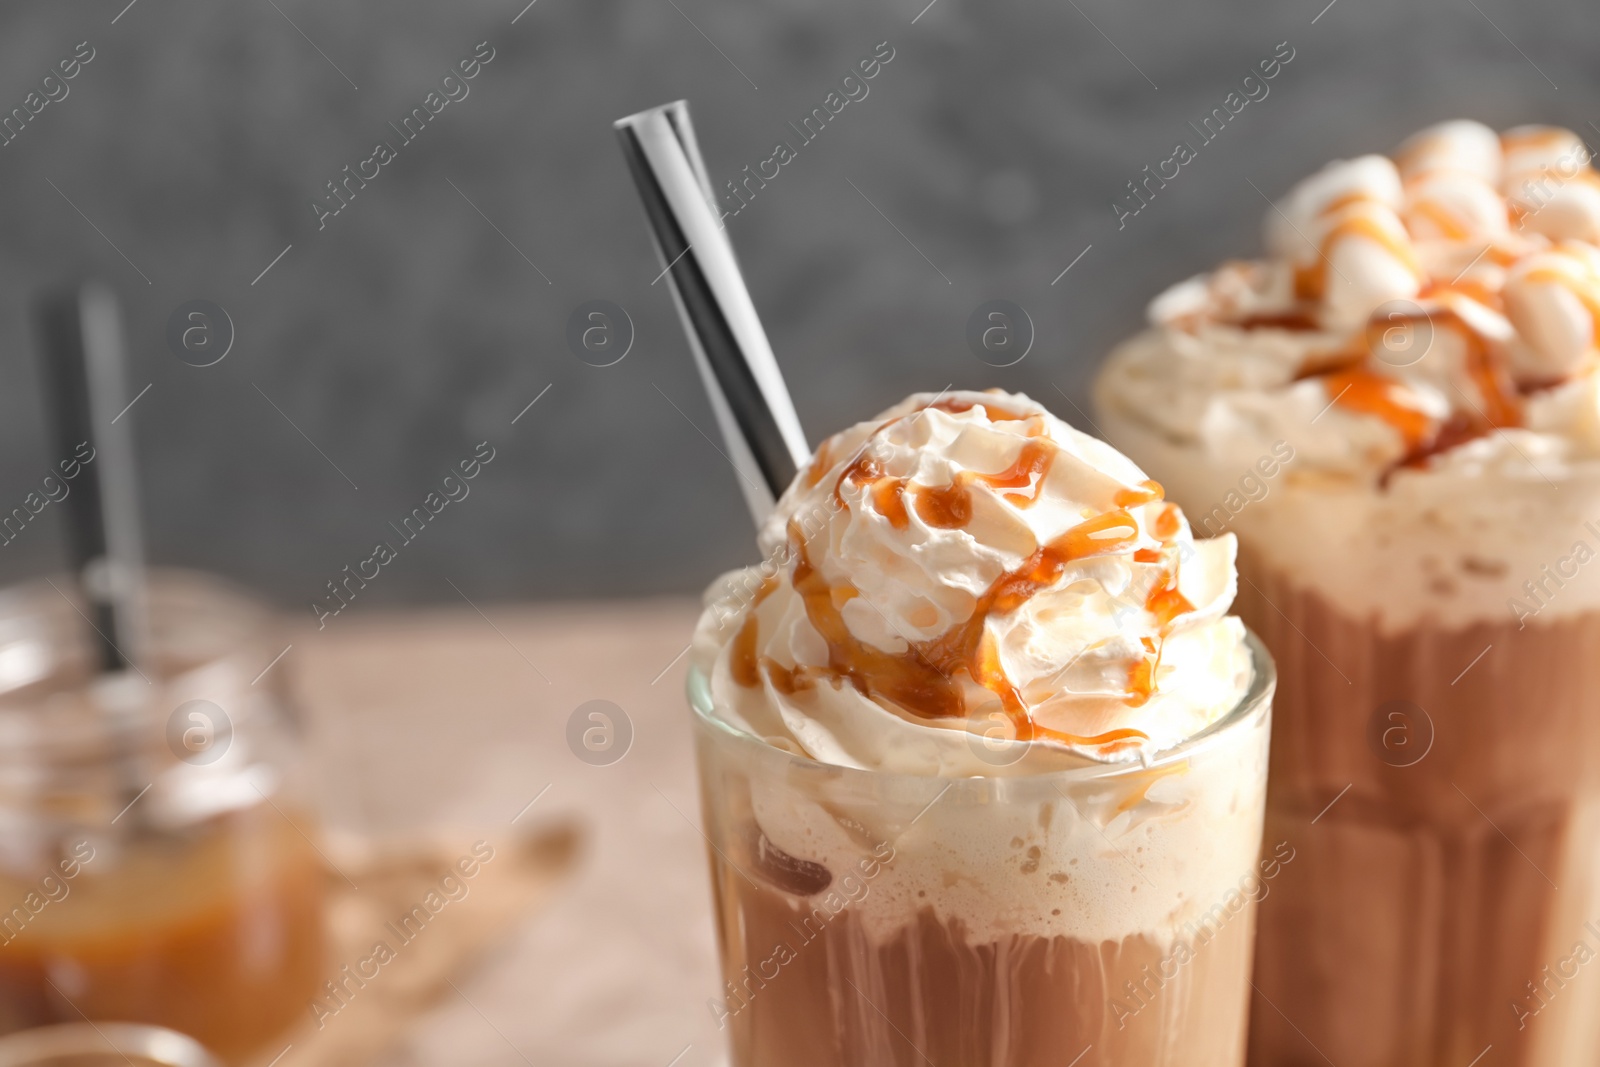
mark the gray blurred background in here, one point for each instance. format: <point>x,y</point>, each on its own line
<point>425,317</point>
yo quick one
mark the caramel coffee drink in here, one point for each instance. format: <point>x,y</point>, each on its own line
<point>982,757</point>
<point>1397,411</point>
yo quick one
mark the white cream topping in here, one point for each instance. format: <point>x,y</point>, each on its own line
<point>1399,393</point>
<point>1071,603</point>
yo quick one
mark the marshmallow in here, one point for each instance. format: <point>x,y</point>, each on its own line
<point>1550,184</point>
<point>1368,262</point>
<point>1552,299</point>
<point>1460,146</point>
<point>1346,181</point>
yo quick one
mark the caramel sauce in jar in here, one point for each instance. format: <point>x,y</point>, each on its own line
<point>216,933</point>
<point>157,862</point>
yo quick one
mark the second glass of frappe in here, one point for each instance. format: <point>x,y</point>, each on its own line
<point>1397,410</point>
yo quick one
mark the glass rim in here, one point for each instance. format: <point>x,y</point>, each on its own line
<point>1256,703</point>
<point>153,1044</point>
<point>48,613</point>
<point>60,592</point>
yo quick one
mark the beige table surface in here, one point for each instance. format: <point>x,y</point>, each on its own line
<point>457,719</point>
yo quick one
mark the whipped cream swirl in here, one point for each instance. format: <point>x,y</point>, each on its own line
<point>1413,313</point>
<point>967,585</point>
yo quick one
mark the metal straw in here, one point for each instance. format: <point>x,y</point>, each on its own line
<point>81,349</point>
<point>751,402</point>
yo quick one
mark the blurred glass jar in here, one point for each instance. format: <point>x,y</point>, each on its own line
<point>155,863</point>
<point>102,1045</point>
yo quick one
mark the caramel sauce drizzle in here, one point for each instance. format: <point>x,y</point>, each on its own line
<point>1359,386</point>
<point>950,507</point>
<point>786,681</point>
<point>818,466</point>
<point>1166,526</point>
<point>742,661</point>
<point>1534,386</point>
<point>1299,319</point>
<point>1166,603</point>
<point>1489,373</point>
<point>1311,282</point>
<point>1473,290</point>
<point>1145,492</point>
<point>926,679</point>
<point>947,508</point>
<point>1452,227</point>
<point>1544,136</point>
<point>1352,377</point>
<point>889,497</point>
<point>1338,203</point>
<point>1365,390</point>
<point>1407,162</point>
<point>1142,680</point>
<point>1584,288</point>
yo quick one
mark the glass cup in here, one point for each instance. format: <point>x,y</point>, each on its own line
<point>1105,912</point>
<point>1438,771</point>
<point>1443,783</point>
<point>102,1045</point>
<point>154,859</point>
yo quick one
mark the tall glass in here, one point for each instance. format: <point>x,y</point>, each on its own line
<point>1435,760</point>
<point>1097,916</point>
<point>1449,897</point>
